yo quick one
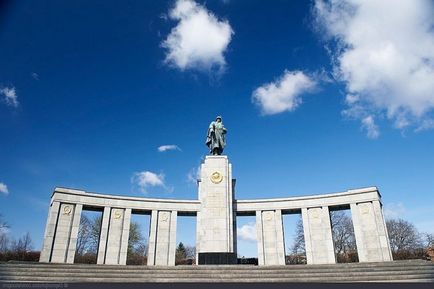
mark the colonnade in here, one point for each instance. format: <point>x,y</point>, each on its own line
<point>66,207</point>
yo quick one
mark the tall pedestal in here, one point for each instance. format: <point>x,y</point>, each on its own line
<point>318,236</point>
<point>216,228</point>
<point>271,244</point>
<point>370,230</point>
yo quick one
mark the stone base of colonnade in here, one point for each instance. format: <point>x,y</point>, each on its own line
<point>394,271</point>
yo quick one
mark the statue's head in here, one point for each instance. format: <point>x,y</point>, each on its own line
<point>218,119</point>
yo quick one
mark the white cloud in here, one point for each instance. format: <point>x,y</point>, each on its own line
<point>384,54</point>
<point>147,179</point>
<point>284,93</point>
<point>368,124</point>
<point>394,210</point>
<point>35,76</point>
<point>10,96</point>
<point>193,175</point>
<point>199,40</point>
<point>164,148</point>
<point>247,232</point>
<point>351,99</point>
<point>4,189</point>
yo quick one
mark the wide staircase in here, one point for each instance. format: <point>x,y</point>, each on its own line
<point>397,271</point>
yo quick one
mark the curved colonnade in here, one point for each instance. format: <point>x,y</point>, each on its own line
<point>67,204</point>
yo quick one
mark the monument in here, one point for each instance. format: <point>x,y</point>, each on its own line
<point>216,225</point>
<point>216,209</point>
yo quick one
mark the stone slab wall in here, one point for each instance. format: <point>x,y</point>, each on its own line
<point>50,229</point>
<point>117,241</point>
<point>271,245</point>
<point>318,236</point>
<point>215,219</point>
<point>66,232</point>
<point>162,238</point>
<point>371,233</point>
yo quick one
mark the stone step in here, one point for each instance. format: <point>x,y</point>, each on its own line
<point>221,274</point>
<point>195,273</point>
<point>213,270</point>
<point>216,279</point>
<point>219,267</point>
<point>397,271</point>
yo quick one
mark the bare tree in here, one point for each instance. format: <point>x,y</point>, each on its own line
<point>95,230</point>
<point>142,249</point>
<point>343,238</point>
<point>190,252</point>
<point>137,246</point>
<point>83,237</point>
<point>403,235</point>
<point>343,234</point>
<point>136,241</point>
<point>429,240</point>
<point>405,240</point>
<point>4,243</point>
<point>297,253</point>
<point>4,238</point>
<point>23,245</point>
<point>298,246</point>
<point>3,224</point>
<point>88,239</point>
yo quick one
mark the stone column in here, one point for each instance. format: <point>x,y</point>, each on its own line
<point>74,234</point>
<point>271,245</point>
<point>318,236</point>
<point>259,236</point>
<point>197,234</point>
<point>62,236</point>
<point>50,229</point>
<point>152,237</point>
<point>172,238</point>
<point>162,238</point>
<point>370,231</point>
<point>103,235</point>
<point>124,238</point>
<point>215,227</point>
<point>118,231</point>
<point>382,231</point>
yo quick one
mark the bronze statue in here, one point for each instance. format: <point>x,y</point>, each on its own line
<point>216,139</point>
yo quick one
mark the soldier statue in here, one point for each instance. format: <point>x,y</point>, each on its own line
<point>216,137</point>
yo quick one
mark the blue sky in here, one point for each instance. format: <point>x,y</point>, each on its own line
<point>317,97</point>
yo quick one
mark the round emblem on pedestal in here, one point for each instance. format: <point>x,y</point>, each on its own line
<point>268,216</point>
<point>216,177</point>
<point>164,216</point>
<point>66,210</point>
<point>365,210</point>
<point>117,214</point>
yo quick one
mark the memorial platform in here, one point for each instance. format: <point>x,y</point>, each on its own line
<point>395,271</point>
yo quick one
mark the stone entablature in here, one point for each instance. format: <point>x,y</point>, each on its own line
<point>65,195</point>
<point>348,197</point>
<point>368,194</point>
<point>215,209</point>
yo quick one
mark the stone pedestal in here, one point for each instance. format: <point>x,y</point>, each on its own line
<point>117,239</point>
<point>216,228</point>
<point>271,245</point>
<point>162,238</point>
<point>61,233</point>
<point>50,229</point>
<point>318,236</point>
<point>371,233</point>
